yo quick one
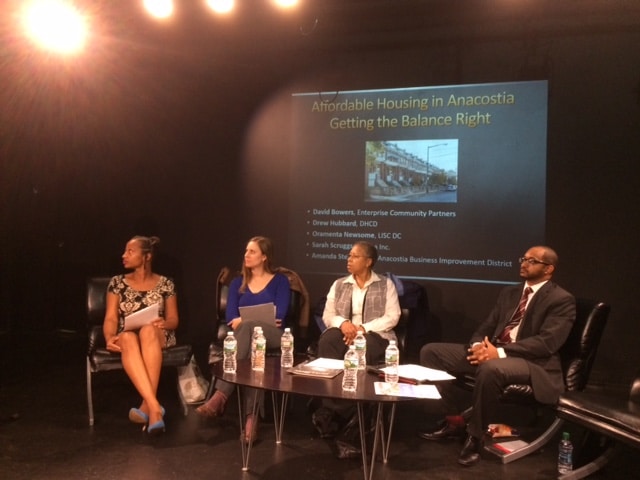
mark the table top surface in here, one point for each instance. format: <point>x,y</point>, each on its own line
<point>277,379</point>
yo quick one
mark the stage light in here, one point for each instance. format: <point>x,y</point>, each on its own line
<point>55,25</point>
<point>159,8</point>
<point>285,3</point>
<point>221,6</point>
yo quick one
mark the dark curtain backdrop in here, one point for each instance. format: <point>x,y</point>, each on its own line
<point>182,132</point>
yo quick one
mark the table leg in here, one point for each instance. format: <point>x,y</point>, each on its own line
<point>386,443</point>
<point>278,417</point>
<point>246,449</point>
<point>363,440</point>
<point>378,433</point>
<point>380,437</point>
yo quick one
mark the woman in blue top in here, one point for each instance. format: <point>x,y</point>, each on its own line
<point>258,284</point>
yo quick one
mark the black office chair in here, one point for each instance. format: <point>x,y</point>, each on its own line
<point>99,359</point>
<point>577,355</point>
<point>609,417</point>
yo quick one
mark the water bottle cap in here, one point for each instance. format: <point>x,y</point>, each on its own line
<point>392,342</point>
<point>565,435</point>
<point>229,334</point>
<point>287,329</point>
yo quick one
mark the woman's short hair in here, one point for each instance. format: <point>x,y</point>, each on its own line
<point>369,250</point>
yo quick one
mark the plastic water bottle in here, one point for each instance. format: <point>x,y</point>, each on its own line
<point>254,335</point>
<point>350,376</point>
<point>286,349</point>
<point>361,347</point>
<point>392,360</point>
<point>565,454</point>
<point>261,351</point>
<point>230,349</point>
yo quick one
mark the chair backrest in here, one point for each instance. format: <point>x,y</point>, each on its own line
<point>579,351</point>
<point>96,300</point>
<point>634,392</point>
<point>293,313</point>
<point>413,329</point>
<point>222,292</point>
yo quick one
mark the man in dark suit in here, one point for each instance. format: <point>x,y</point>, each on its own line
<point>517,343</point>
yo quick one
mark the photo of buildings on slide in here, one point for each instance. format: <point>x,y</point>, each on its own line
<point>412,171</point>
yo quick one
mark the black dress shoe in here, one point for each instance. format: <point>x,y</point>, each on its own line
<point>325,422</point>
<point>470,453</point>
<point>443,430</point>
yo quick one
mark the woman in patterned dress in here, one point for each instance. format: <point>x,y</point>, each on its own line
<point>141,349</point>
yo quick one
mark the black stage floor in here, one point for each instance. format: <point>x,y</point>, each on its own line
<point>44,433</point>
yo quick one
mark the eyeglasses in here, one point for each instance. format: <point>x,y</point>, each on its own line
<point>531,261</point>
<point>353,257</point>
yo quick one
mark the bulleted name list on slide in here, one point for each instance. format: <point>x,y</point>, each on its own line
<point>331,233</point>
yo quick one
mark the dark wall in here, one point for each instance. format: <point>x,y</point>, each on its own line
<point>592,62</point>
<point>182,131</point>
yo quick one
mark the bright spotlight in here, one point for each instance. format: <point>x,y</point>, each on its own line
<point>286,3</point>
<point>159,8</point>
<point>55,25</point>
<point>221,6</point>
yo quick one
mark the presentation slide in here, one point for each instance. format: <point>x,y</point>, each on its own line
<point>447,181</point>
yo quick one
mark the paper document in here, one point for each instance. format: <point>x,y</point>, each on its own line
<point>407,390</point>
<point>422,374</point>
<point>264,313</point>
<point>142,317</point>
<point>506,447</point>
<point>327,363</point>
<point>320,368</point>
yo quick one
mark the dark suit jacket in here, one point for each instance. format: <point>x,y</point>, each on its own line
<point>544,329</point>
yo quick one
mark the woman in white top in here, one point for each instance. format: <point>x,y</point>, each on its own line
<point>362,301</point>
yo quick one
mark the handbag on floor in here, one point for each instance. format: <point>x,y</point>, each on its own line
<point>193,385</point>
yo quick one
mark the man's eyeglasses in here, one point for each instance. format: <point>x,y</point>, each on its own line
<point>532,261</point>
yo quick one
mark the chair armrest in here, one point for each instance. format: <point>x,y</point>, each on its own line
<point>223,328</point>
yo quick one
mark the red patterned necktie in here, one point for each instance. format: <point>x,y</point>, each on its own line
<point>505,336</point>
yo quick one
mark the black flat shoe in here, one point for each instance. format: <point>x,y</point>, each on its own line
<point>443,431</point>
<point>470,453</point>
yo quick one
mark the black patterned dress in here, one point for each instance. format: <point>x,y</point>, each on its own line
<point>131,300</point>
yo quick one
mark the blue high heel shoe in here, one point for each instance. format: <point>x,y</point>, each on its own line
<point>138,416</point>
<point>156,428</point>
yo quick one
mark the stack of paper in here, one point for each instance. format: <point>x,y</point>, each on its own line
<point>407,390</point>
<point>142,317</point>
<point>501,448</point>
<point>264,313</point>
<point>416,374</point>
<point>320,367</point>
